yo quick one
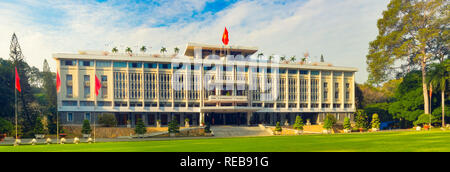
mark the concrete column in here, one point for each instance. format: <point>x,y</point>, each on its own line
<point>271,116</point>
<point>224,119</point>
<point>144,119</point>
<point>181,119</point>
<point>201,119</point>
<point>249,116</point>
<point>133,119</point>
<point>261,118</point>
<point>283,118</point>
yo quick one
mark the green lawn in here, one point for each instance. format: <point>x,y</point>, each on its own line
<point>372,142</point>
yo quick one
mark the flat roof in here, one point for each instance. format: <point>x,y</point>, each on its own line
<point>191,47</point>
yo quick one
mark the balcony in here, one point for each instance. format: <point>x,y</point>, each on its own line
<point>223,82</point>
<point>227,99</point>
<point>87,83</point>
<point>69,83</point>
<point>104,84</point>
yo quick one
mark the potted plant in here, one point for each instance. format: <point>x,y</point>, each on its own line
<point>140,129</point>
<point>308,122</point>
<point>361,120</point>
<point>128,124</point>
<point>186,122</point>
<point>347,125</point>
<point>278,129</point>
<point>330,120</point>
<point>298,126</point>
<point>158,123</point>
<point>86,129</point>
<point>62,133</point>
<point>208,131</point>
<point>173,127</point>
<point>39,132</point>
<point>375,122</point>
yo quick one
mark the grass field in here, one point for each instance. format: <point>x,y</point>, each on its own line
<point>367,142</point>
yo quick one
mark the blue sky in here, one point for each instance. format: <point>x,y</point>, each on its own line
<point>339,29</point>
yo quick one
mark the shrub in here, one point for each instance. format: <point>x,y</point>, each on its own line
<point>425,119</point>
<point>86,128</point>
<point>208,128</point>
<point>278,127</point>
<point>375,121</point>
<point>330,120</point>
<point>39,127</point>
<point>140,127</point>
<point>173,126</point>
<point>347,124</point>
<point>6,127</point>
<point>107,120</point>
<point>298,123</point>
<point>361,120</point>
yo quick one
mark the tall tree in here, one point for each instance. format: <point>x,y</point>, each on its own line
<point>49,89</point>
<point>438,76</point>
<point>26,101</point>
<point>406,34</point>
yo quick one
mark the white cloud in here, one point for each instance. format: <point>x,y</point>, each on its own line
<point>339,29</point>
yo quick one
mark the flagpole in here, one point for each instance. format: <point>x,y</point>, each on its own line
<point>15,98</point>
<point>57,117</point>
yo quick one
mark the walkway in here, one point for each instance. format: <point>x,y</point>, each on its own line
<point>237,131</point>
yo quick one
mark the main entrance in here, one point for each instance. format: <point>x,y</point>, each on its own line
<point>226,118</point>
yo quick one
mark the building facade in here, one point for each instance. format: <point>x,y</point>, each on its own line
<point>208,83</point>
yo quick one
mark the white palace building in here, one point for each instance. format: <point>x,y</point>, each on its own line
<point>208,83</point>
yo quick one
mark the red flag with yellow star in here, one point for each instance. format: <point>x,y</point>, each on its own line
<point>225,39</point>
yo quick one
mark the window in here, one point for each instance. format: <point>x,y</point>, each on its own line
<point>69,117</point>
<point>86,103</point>
<point>315,73</point>
<point>292,71</point>
<point>104,86</point>
<point>120,64</point>
<point>87,87</point>
<point>150,65</point>
<point>135,65</point>
<point>86,63</point>
<point>304,72</point>
<point>103,64</point>
<point>104,78</point>
<point>87,116</point>
<point>165,66</point>
<point>336,91</point>
<point>68,77</point>
<point>69,62</point>
<point>69,103</point>
<point>69,85</point>
<point>69,91</point>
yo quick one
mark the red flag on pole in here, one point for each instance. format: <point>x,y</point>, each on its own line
<point>98,85</point>
<point>58,82</point>
<point>17,81</point>
<point>225,39</point>
<point>431,90</point>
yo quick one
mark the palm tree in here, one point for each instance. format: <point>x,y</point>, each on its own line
<point>163,50</point>
<point>143,49</point>
<point>260,55</point>
<point>293,59</point>
<point>438,76</point>
<point>176,50</point>
<point>114,50</point>
<point>283,58</point>
<point>271,58</point>
<point>128,50</point>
